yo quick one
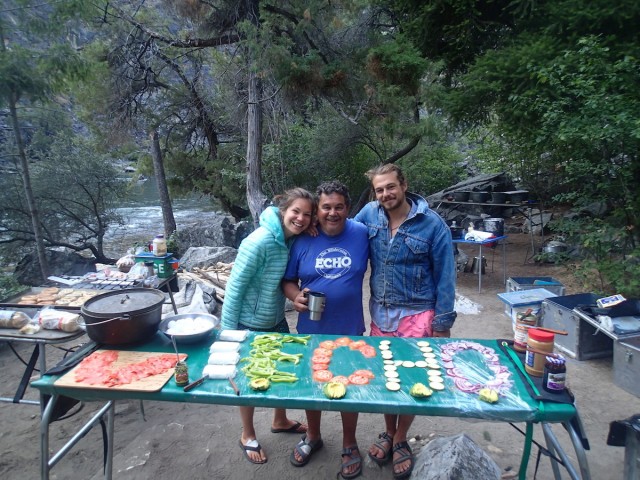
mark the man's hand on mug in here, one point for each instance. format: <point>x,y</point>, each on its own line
<point>301,301</point>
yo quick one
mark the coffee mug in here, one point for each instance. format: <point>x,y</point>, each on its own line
<point>315,304</point>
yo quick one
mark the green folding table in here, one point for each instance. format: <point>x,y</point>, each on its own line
<point>474,363</point>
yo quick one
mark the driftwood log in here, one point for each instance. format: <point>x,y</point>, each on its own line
<point>216,276</point>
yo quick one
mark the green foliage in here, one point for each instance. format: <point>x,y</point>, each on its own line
<point>305,157</point>
<point>561,101</point>
<point>609,260</point>
<point>398,63</point>
<point>19,75</point>
<point>9,286</point>
<point>432,168</point>
<point>76,191</point>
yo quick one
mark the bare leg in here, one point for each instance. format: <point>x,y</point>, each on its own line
<point>249,433</point>
<point>314,418</point>
<point>280,421</point>
<point>404,423</point>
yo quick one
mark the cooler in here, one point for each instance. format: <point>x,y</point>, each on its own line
<point>583,341</point>
<point>521,301</point>
<point>515,284</point>
<point>626,364</point>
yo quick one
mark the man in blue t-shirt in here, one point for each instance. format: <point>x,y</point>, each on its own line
<point>334,263</point>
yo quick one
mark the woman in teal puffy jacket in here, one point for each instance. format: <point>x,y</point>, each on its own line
<point>253,297</point>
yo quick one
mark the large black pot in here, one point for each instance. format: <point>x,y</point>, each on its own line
<point>123,317</point>
<point>479,197</point>
<point>518,196</point>
<point>461,196</point>
<point>498,197</point>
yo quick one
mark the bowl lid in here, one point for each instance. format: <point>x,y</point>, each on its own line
<point>123,301</point>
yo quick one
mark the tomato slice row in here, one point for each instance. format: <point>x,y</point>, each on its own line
<point>322,357</point>
<point>322,375</point>
<point>358,379</point>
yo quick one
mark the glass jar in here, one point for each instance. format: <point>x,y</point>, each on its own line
<point>539,343</point>
<point>181,374</point>
<point>555,374</point>
<point>159,246</point>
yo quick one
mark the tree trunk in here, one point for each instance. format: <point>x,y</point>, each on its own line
<point>161,181</point>
<point>255,197</point>
<point>23,168</point>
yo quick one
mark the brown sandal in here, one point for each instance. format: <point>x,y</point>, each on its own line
<point>353,459</point>
<point>405,452</point>
<point>383,439</point>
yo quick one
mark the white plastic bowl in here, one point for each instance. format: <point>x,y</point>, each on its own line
<point>184,331</point>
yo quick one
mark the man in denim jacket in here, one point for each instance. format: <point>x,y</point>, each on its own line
<point>412,285</point>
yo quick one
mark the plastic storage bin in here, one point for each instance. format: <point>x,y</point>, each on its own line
<point>583,341</point>
<point>161,265</point>
<point>515,284</point>
<point>521,301</point>
<point>626,364</point>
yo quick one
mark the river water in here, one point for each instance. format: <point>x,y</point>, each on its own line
<point>142,217</point>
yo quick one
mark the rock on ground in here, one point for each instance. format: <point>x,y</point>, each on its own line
<point>456,457</point>
<point>205,256</point>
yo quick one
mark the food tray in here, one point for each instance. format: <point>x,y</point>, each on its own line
<point>57,298</point>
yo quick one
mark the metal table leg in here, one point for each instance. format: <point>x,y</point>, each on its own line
<point>577,445</point>
<point>552,451</point>
<point>480,269</point>
<point>173,302</point>
<point>504,262</point>
<point>46,463</point>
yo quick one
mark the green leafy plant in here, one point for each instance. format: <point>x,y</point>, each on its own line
<point>9,286</point>
<point>609,257</point>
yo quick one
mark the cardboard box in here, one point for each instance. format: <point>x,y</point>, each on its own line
<point>161,265</point>
<point>523,300</point>
<point>515,284</point>
<point>626,364</point>
<point>583,340</point>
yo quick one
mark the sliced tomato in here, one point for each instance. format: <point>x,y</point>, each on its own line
<point>322,375</point>
<point>368,351</point>
<point>330,344</point>
<point>321,359</point>
<point>343,341</point>
<point>358,379</point>
<point>364,373</point>
<point>357,345</point>
<point>319,366</point>
<point>341,379</point>
<point>323,352</point>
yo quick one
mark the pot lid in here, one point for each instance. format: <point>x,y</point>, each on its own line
<point>124,301</point>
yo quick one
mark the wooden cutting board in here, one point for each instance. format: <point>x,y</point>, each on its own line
<point>153,383</point>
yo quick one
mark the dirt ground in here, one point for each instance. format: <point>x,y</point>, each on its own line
<point>196,441</point>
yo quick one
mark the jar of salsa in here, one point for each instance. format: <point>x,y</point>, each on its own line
<point>181,374</point>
